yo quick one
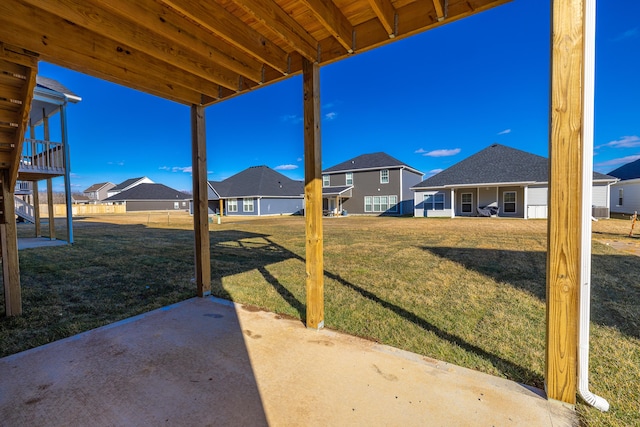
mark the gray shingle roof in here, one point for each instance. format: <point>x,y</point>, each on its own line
<point>369,161</point>
<point>96,187</point>
<point>126,183</point>
<point>54,85</point>
<point>496,164</point>
<point>336,191</point>
<point>629,171</point>
<point>149,192</point>
<point>258,181</point>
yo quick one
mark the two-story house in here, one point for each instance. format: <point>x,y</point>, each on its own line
<point>370,184</point>
<point>98,192</point>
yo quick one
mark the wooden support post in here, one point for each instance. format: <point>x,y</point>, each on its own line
<point>221,208</point>
<point>67,172</point>
<point>565,199</point>
<point>36,209</point>
<point>52,216</point>
<point>9,242</point>
<point>200,200</point>
<point>313,195</point>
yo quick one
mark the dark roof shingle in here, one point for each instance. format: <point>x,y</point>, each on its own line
<point>258,181</point>
<point>149,192</point>
<point>629,171</point>
<point>496,164</point>
<point>126,183</point>
<point>98,186</point>
<point>369,161</point>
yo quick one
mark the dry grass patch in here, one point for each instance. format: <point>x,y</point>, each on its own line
<point>467,291</point>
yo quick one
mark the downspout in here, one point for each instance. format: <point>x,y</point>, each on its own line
<point>587,192</point>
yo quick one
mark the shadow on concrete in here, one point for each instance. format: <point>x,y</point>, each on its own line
<point>615,287</point>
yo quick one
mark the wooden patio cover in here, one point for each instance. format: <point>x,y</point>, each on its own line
<point>199,52</point>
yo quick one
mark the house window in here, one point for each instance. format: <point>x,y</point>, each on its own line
<point>384,176</point>
<point>232,205</point>
<point>509,202</point>
<point>620,196</point>
<point>466,202</point>
<point>349,178</point>
<point>247,205</point>
<point>434,201</point>
<point>381,203</point>
<point>176,205</point>
<point>325,180</point>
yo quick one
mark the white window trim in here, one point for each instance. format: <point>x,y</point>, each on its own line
<point>232,205</point>
<point>462,203</point>
<point>392,206</point>
<point>433,201</point>
<point>515,202</point>
<point>348,177</point>
<point>247,205</point>
<point>326,180</point>
<point>620,197</point>
<point>381,173</point>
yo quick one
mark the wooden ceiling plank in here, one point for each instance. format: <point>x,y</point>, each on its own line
<point>92,16</point>
<point>107,59</point>
<point>280,22</point>
<point>18,57</point>
<point>216,19</point>
<point>27,98</point>
<point>386,14</point>
<point>166,22</point>
<point>440,8</point>
<point>333,20</point>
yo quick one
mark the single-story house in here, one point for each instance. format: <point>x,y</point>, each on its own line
<point>151,197</point>
<point>497,181</point>
<point>257,191</point>
<point>369,184</point>
<point>625,194</point>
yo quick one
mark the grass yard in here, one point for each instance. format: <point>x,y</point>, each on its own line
<point>466,291</point>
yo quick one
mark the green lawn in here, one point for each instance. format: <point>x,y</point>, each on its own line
<point>467,291</point>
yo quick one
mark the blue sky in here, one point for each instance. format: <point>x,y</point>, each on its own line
<point>430,100</point>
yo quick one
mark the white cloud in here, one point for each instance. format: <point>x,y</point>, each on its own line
<point>442,153</point>
<point>120,163</point>
<point>504,132</point>
<point>624,142</point>
<point>629,34</point>
<point>299,159</point>
<point>185,169</point>
<point>164,168</point>
<point>618,161</point>
<point>291,118</point>
<point>286,167</point>
<point>331,116</point>
<point>435,171</point>
<point>420,151</point>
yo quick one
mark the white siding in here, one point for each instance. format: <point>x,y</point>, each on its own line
<point>419,205</point>
<point>537,196</point>
<point>600,195</point>
<point>631,199</point>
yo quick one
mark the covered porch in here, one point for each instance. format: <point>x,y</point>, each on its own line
<point>332,199</point>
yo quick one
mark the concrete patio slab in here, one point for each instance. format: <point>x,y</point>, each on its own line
<point>210,362</point>
<point>38,242</point>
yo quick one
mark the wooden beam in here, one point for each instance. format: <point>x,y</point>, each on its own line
<point>9,244</point>
<point>333,20</point>
<point>36,209</point>
<point>440,8</point>
<point>165,21</point>
<point>281,23</point>
<point>313,195</point>
<point>565,199</point>
<point>49,36</point>
<point>200,200</point>
<point>101,20</point>
<point>219,21</point>
<point>386,14</point>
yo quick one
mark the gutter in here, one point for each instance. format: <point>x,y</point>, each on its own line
<point>587,194</point>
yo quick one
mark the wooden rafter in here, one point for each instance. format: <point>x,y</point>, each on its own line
<point>386,14</point>
<point>98,19</point>
<point>440,7</point>
<point>333,20</point>
<point>271,15</point>
<point>216,19</point>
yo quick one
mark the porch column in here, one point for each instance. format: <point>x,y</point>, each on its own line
<point>36,195</point>
<point>565,199</point>
<point>52,217</point>
<point>313,195</point>
<point>200,201</point>
<point>67,171</point>
<point>9,243</point>
<point>453,203</point>
<point>526,202</point>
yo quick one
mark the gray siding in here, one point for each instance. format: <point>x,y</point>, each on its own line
<point>600,196</point>
<point>367,183</point>
<point>269,206</point>
<point>424,209</point>
<point>409,179</point>
<point>156,205</point>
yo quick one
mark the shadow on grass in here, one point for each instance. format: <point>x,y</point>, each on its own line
<point>615,287</point>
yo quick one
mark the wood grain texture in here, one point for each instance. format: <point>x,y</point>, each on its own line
<point>565,200</point>
<point>9,243</point>
<point>200,201</point>
<point>314,263</point>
